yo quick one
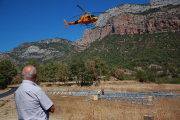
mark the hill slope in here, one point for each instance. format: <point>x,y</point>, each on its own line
<point>131,51</point>
<point>42,51</point>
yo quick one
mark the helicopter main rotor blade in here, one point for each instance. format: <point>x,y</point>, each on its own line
<point>82,9</point>
<point>76,15</point>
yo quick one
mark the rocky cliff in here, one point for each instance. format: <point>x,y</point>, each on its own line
<point>42,50</point>
<point>157,3</point>
<point>132,8</point>
<point>150,21</point>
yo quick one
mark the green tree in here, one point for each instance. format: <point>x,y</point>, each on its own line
<point>142,76</point>
<point>76,69</point>
<point>172,69</point>
<point>89,73</point>
<point>51,70</point>
<point>113,70</point>
<point>72,69</point>
<point>88,76</point>
<point>152,74</point>
<point>80,71</point>
<point>101,68</point>
<point>61,74</point>
<point>7,72</point>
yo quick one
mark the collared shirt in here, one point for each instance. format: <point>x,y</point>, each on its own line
<point>31,102</point>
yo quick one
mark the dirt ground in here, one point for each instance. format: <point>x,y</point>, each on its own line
<point>79,108</point>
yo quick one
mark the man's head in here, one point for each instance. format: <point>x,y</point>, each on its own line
<point>29,73</point>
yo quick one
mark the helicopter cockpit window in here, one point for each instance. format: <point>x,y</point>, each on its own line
<point>88,16</point>
<point>92,16</point>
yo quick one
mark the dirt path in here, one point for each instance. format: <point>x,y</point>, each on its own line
<point>11,91</point>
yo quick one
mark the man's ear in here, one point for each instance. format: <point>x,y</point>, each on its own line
<point>35,75</point>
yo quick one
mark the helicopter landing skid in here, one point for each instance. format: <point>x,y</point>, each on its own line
<point>87,25</point>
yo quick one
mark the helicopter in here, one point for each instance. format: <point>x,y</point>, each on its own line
<point>85,19</point>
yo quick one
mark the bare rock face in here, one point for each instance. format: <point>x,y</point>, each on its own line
<point>36,52</point>
<point>106,30</point>
<point>128,23</point>
<point>92,35</point>
<point>89,36</point>
<point>138,24</point>
<point>45,41</point>
<point>153,25</point>
<point>132,8</point>
<point>56,40</point>
<point>158,3</point>
<point>32,49</point>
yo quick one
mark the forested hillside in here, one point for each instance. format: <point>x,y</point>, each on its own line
<point>158,51</point>
<point>136,50</point>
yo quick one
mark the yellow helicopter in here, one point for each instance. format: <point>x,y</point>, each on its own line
<point>85,19</point>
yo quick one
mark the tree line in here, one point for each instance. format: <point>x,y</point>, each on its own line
<point>85,72</point>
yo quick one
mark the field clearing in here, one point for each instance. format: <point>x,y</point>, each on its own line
<point>114,86</point>
<point>78,108</point>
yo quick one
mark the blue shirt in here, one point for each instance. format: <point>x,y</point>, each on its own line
<point>31,102</point>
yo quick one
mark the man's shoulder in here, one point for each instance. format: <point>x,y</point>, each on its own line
<point>37,88</point>
<point>29,86</point>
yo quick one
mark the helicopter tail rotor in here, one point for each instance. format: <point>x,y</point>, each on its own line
<point>65,23</point>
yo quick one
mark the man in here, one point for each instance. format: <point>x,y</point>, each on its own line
<point>102,91</point>
<point>31,101</point>
<point>99,92</point>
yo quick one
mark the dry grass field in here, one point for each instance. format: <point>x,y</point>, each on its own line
<point>79,108</point>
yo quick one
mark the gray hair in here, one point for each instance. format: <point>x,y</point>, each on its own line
<point>29,75</point>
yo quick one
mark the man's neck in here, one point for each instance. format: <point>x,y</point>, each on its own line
<point>29,79</point>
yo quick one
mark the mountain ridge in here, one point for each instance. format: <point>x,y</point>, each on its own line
<point>42,50</point>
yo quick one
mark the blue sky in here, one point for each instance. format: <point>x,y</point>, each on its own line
<point>33,20</point>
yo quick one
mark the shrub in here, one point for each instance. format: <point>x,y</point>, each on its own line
<point>120,74</point>
<point>151,76</point>
<point>128,77</point>
<point>175,81</point>
<point>171,69</point>
<point>7,72</point>
<point>178,70</point>
<point>164,73</point>
<point>113,70</point>
<point>141,76</point>
<point>175,75</point>
<point>159,81</point>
